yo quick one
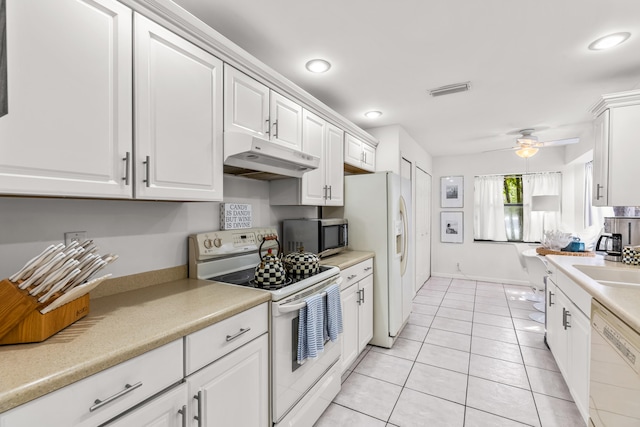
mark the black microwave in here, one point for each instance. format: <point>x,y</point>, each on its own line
<point>323,237</point>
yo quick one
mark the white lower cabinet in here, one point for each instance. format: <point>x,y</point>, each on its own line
<point>167,410</point>
<point>233,391</point>
<point>227,368</point>
<point>105,395</point>
<point>356,294</point>
<point>568,336</point>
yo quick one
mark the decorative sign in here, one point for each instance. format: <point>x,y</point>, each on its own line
<point>234,216</point>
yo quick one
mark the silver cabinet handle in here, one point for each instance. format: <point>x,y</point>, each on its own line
<point>368,268</point>
<point>147,169</point>
<point>324,192</point>
<point>598,187</point>
<point>330,193</point>
<point>198,417</point>
<point>268,131</point>
<point>183,412</point>
<point>565,318</point>
<point>275,124</point>
<point>353,276</point>
<point>128,388</point>
<point>550,300</point>
<point>127,163</point>
<point>237,334</point>
<point>362,298</point>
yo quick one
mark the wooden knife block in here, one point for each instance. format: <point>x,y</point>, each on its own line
<point>22,322</point>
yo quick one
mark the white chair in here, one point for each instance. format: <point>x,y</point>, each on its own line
<point>536,270</point>
<point>521,249</point>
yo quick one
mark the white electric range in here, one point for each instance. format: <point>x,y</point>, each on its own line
<point>299,392</point>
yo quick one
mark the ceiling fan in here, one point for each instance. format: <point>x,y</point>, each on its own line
<point>528,143</point>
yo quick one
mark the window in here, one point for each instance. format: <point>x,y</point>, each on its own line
<point>513,207</point>
<point>502,206</point>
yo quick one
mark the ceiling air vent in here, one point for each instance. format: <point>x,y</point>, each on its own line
<point>449,89</point>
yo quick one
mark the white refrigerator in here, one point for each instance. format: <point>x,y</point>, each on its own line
<point>378,208</point>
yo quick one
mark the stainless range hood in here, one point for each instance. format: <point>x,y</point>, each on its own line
<point>249,152</point>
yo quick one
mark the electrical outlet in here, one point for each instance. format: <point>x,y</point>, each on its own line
<point>74,236</point>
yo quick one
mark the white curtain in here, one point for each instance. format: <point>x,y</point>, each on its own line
<point>539,184</point>
<point>488,209</point>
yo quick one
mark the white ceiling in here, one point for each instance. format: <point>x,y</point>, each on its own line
<point>527,61</point>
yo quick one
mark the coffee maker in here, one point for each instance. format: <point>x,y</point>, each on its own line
<point>619,231</point>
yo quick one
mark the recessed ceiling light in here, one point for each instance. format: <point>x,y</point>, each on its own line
<point>609,41</point>
<point>318,65</point>
<point>373,114</point>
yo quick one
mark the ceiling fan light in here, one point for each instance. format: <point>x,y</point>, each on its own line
<point>526,152</point>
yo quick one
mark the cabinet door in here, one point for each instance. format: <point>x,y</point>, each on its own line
<point>579,356</point>
<point>554,317</point>
<point>314,187</point>
<point>369,157</point>
<point>178,117</point>
<point>246,104</point>
<point>69,123</point>
<point>349,298</point>
<point>624,151</point>
<point>234,390</point>
<point>166,410</point>
<point>601,160</point>
<point>286,121</point>
<point>334,164</point>
<point>365,313</point>
<point>352,150</point>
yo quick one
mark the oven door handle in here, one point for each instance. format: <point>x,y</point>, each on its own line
<point>288,308</point>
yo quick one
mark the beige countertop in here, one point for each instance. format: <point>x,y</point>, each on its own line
<point>346,259</point>
<point>118,327</point>
<point>623,301</point>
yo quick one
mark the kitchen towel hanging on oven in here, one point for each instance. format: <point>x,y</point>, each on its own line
<point>319,320</point>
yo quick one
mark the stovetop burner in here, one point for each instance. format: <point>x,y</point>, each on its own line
<point>246,278</point>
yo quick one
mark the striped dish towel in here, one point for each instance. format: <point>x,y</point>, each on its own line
<point>334,312</point>
<point>311,328</point>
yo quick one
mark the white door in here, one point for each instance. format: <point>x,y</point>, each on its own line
<point>68,129</point>
<point>246,104</point>
<point>334,164</point>
<point>423,227</point>
<point>178,117</point>
<point>286,122</point>
<point>314,189</point>
<point>234,390</point>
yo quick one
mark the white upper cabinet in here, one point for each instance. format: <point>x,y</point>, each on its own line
<point>616,150</point>
<point>253,108</point>
<point>68,131</point>
<point>178,115</point>
<point>359,154</point>
<point>246,104</point>
<point>323,186</point>
<point>334,164</point>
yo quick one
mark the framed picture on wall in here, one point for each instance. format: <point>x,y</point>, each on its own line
<point>451,191</point>
<point>451,227</point>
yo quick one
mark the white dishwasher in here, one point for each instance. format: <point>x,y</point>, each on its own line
<point>614,384</point>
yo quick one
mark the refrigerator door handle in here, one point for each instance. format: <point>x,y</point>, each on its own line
<point>405,236</point>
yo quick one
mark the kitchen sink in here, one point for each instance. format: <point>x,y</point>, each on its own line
<point>611,276</point>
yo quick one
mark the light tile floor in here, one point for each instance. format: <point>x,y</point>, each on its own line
<point>468,357</point>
